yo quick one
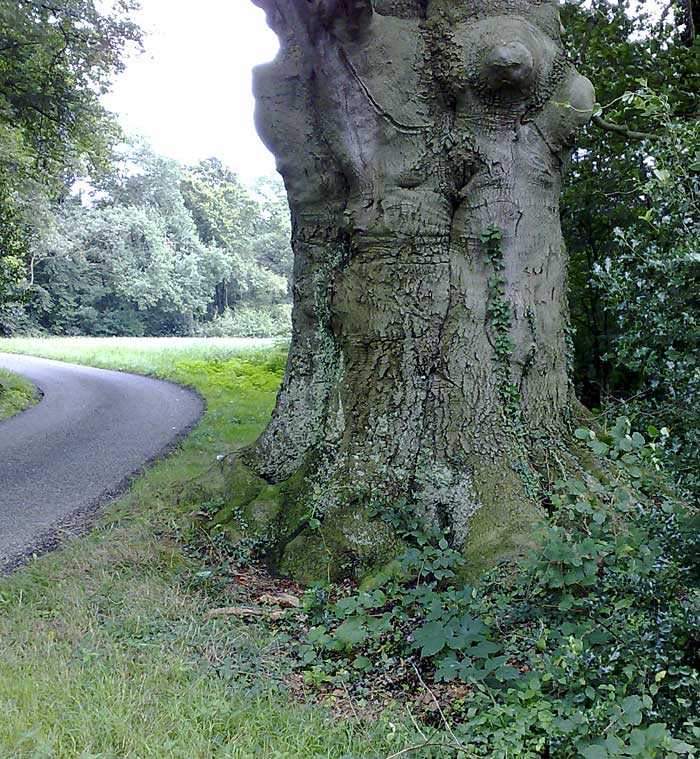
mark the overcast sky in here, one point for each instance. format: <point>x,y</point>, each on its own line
<point>190,92</point>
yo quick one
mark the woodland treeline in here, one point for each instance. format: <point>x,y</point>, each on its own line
<point>140,245</point>
<point>631,220</point>
<point>161,249</point>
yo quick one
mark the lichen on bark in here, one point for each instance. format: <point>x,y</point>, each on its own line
<point>404,131</point>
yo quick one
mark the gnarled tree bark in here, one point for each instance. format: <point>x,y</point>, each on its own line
<point>422,143</point>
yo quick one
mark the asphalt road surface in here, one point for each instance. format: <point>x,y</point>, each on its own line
<point>78,447</point>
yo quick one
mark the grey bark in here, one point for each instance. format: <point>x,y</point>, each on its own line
<point>405,130</point>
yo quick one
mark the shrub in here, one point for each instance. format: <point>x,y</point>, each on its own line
<point>589,649</point>
<point>248,321</point>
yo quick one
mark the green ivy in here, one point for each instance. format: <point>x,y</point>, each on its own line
<point>500,321</point>
<point>588,649</point>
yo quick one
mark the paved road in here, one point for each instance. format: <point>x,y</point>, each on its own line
<point>62,458</point>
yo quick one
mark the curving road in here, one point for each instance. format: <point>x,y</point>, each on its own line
<point>78,447</point>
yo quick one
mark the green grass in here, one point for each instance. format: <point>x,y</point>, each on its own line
<point>104,646</point>
<point>16,394</point>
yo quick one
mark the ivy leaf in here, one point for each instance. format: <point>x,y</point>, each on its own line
<point>447,670</point>
<point>663,175</point>
<point>362,663</point>
<point>504,674</point>
<point>594,752</point>
<point>679,747</point>
<point>632,707</point>
<point>351,632</point>
<point>625,443</point>
<point>431,639</point>
<point>483,649</point>
<point>599,447</point>
<point>638,743</point>
<point>348,606</point>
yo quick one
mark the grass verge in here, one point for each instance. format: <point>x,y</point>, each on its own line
<point>16,394</point>
<point>106,650</point>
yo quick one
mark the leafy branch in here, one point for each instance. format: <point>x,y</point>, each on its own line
<point>621,129</point>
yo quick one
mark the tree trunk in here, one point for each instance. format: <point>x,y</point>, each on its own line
<point>422,144</point>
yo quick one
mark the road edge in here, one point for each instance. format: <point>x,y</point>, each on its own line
<point>81,521</point>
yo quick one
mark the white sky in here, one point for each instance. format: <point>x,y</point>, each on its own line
<point>189,94</point>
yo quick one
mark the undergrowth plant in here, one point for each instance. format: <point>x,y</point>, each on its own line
<point>588,649</point>
<point>16,394</point>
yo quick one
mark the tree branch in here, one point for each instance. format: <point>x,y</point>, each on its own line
<point>691,13</point>
<point>590,26</point>
<point>620,129</point>
<point>664,15</point>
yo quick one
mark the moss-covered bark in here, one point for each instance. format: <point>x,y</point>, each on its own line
<point>422,143</point>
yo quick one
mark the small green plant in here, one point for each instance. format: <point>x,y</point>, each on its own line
<point>16,394</point>
<point>500,321</point>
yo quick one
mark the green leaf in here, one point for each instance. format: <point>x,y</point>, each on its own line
<point>599,447</point>
<point>431,639</point>
<point>679,747</point>
<point>483,649</point>
<point>594,752</point>
<point>505,674</point>
<point>447,670</point>
<point>362,663</point>
<point>625,443</point>
<point>632,708</point>
<point>637,743</point>
<point>351,632</point>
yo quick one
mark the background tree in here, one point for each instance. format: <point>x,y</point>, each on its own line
<point>227,216</point>
<point>56,59</point>
<point>272,227</point>
<point>422,147</point>
<point>630,220</point>
<point>146,253</point>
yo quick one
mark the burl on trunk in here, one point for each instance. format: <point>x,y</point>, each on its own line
<point>422,144</point>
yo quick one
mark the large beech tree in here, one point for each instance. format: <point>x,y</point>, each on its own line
<point>422,144</point>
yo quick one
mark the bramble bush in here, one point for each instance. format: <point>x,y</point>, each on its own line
<point>587,649</point>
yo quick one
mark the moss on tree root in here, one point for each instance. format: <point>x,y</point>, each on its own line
<point>275,522</point>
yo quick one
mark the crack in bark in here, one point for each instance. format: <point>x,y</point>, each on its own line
<point>379,110</point>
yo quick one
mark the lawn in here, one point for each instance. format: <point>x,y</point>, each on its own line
<point>105,647</point>
<point>16,394</point>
